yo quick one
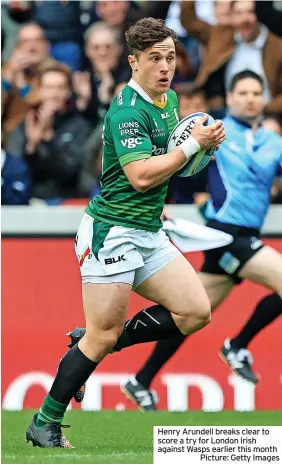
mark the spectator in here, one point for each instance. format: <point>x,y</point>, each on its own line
<point>191,100</point>
<point>52,139</point>
<point>232,48</point>
<point>118,15</point>
<point>60,21</point>
<point>94,90</point>
<point>15,181</point>
<point>19,75</point>
<point>185,71</point>
<point>113,13</point>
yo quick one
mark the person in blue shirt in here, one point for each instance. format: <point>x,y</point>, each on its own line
<point>240,182</point>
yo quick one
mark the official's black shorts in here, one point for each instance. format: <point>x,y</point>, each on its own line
<point>230,259</point>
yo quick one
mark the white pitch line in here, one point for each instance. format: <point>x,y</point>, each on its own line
<point>77,456</point>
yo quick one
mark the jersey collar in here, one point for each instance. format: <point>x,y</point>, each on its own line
<point>134,85</point>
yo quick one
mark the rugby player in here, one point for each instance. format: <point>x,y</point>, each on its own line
<point>240,182</point>
<point>119,243</point>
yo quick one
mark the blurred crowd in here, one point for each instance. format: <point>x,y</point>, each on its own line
<point>63,61</point>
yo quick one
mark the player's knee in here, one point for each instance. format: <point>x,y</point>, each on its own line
<point>197,317</point>
<point>202,307</point>
<point>100,342</point>
<point>203,313</point>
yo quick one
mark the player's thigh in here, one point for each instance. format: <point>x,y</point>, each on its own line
<point>107,258</point>
<point>105,305</point>
<point>265,268</point>
<point>177,287</point>
<point>217,287</point>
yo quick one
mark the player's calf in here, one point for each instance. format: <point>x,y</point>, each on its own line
<point>75,335</point>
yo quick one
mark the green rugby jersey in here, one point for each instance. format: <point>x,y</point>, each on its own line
<point>135,128</point>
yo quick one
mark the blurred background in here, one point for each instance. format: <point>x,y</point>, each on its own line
<point>62,63</point>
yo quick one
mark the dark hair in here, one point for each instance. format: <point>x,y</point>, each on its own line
<point>245,75</point>
<point>147,32</point>
<point>190,90</point>
<point>56,68</point>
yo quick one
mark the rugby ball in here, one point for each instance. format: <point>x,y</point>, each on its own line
<point>181,133</point>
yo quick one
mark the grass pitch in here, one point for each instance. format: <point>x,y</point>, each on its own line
<point>112,437</point>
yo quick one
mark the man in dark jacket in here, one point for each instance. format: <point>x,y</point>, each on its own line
<point>52,139</point>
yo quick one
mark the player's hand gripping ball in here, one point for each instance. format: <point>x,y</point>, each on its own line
<point>181,133</point>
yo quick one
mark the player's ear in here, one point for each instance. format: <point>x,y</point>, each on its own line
<point>132,62</point>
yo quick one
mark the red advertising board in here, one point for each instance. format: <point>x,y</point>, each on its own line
<point>41,301</point>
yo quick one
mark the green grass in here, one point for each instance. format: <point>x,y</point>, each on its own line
<point>112,437</point>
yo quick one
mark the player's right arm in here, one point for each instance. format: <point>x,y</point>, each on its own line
<point>134,149</point>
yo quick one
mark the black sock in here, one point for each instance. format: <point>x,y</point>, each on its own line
<point>267,310</point>
<point>149,325</point>
<point>74,369</point>
<point>163,351</point>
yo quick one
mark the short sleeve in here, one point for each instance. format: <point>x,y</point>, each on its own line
<point>130,135</point>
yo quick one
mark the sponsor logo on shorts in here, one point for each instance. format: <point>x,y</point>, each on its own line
<point>255,243</point>
<point>229,263</point>
<point>115,260</point>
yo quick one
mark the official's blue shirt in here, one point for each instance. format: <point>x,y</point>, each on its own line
<point>241,178</point>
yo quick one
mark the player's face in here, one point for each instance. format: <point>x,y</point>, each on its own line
<point>246,100</point>
<point>155,67</point>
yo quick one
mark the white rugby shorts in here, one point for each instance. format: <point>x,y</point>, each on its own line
<point>116,254</point>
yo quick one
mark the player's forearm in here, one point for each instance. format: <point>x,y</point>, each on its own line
<point>158,169</point>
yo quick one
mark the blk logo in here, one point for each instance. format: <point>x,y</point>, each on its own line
<point>115,260</point>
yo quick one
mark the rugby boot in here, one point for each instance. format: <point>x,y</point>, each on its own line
<point>145,399</point>
<point>239,360</point>
<point>48,436</point>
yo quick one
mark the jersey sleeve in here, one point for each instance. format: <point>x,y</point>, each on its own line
<point>130,133</point>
